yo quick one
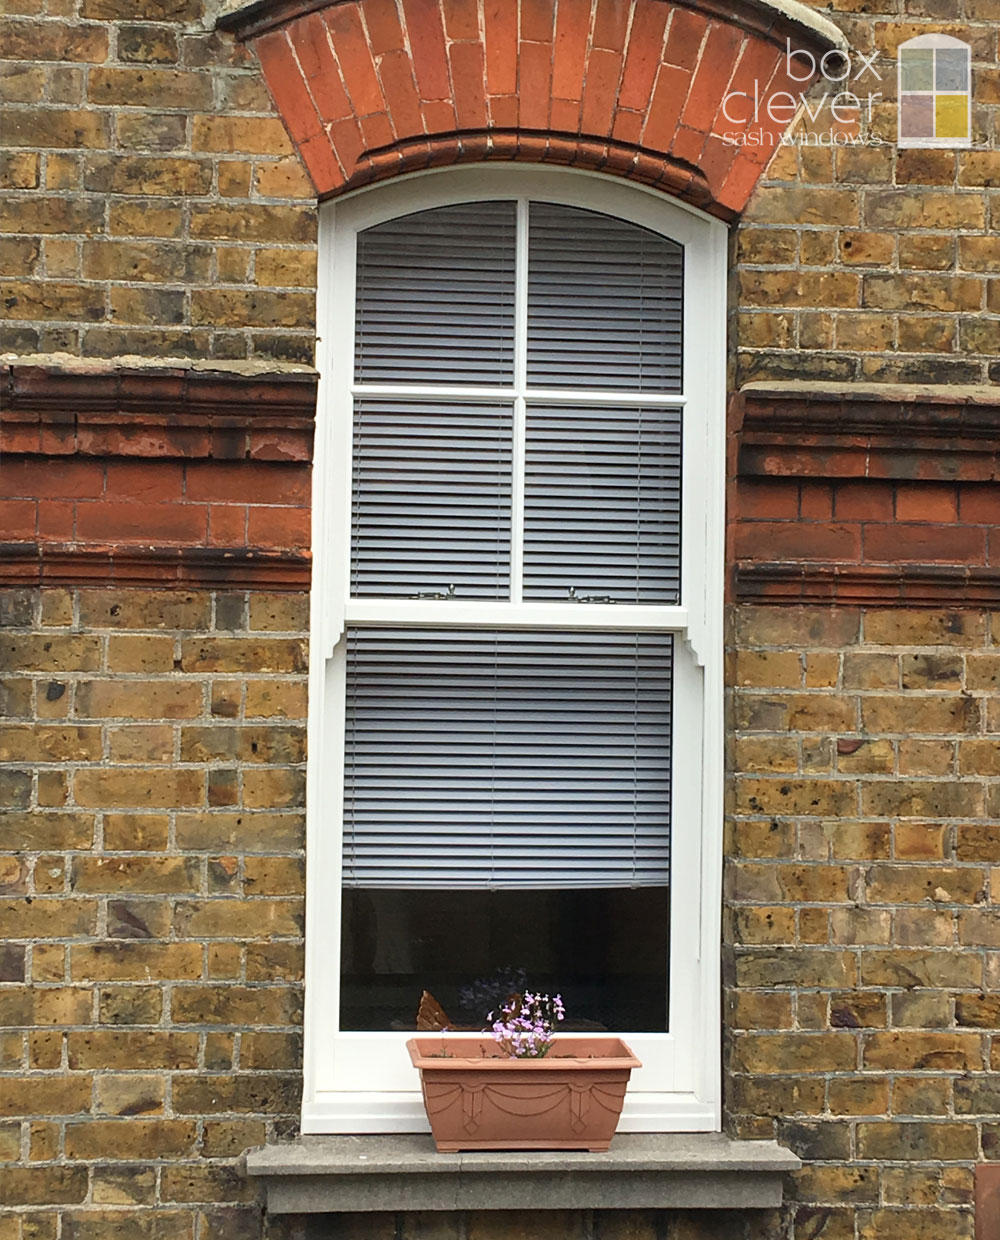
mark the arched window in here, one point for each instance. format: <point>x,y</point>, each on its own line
<point>515,721</point>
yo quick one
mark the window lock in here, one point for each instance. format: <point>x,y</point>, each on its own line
<point>438,594</point>
<point>589,598</point>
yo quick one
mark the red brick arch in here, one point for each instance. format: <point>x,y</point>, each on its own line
<point>369,89</point>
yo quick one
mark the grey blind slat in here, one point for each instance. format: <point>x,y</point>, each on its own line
<point>604,303</point>
<point>435,297</point>
<point>431,499</point>
<point>507,759</point>
<point>602,503</point>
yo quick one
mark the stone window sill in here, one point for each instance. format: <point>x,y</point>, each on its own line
<point>404,1172</point>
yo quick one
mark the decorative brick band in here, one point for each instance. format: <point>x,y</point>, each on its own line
<point>868,585</point>
<point>618,158</point>
<point>869,495</point>
<point>156,478</point>
<point>369,90</point>
<point>224,568</point>
<point>869,431</point>
<point>157,413</point>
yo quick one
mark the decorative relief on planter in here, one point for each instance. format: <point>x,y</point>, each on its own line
<point>570,1099</point>
<point>369,89</point>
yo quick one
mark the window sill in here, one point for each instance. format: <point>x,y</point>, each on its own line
<point>640,1171</point>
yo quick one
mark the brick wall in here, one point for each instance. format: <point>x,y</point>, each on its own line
<point>863,910</point>
<point>153,204</point>
<point>152,750</point>
<point>151,200</point>
<point>151,754</point>
<point>868,263</point>
<point>151,743</point>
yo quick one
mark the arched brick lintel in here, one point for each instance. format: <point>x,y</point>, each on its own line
<point>370,89</point>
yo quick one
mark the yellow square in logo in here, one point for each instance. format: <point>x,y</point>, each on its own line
<point>951,115</point>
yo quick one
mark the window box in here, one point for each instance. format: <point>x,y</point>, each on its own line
<point>478,1099</point>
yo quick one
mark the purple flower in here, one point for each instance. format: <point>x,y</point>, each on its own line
<point>524,1026</point>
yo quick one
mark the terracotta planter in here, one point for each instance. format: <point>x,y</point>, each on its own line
<point>478,1099</point>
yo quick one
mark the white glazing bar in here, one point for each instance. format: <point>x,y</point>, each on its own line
<point>540,396</point>
<point>520,380</point>
<point>451,613</point>
<point>595,396</point>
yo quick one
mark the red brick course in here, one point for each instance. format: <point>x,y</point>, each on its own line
<point>153,477</point>
<point>889,495</point>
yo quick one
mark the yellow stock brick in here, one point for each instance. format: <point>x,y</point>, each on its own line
<point>276,699</point>
<point>244,134</point>
<point>926,757</point>
<point>919,841</point>
<point>237,918</point>
<point>24,743</point>
<point>285,269</point>
<point>48,918</point>
<point>137,961</point>
<point>937,1052</point>
<point>925,628</point>
<point>133,743</point>
<point>145,609</point>
<point>910,884</point>
<point>768,246</point>
<point>140,654</point>
<point>859,1096</point>
<point>130,1138</point>
<point>923,799</point>
<point>126,832</point>
<point>48,1185</point>
<point>140,787</point>
<point>45,1096</point>
<point>147,875</point>
<point>149,88</point>
<point>810,797</point>
<point>795,1052</point>
<point>130,1094</point>
<point>921,1096</point>
<point>139,699</point>
<point>799,205</point>
<point>237,1005</point>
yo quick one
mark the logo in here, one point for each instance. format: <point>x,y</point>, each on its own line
<point>833,118</point>
<point>935,95</point>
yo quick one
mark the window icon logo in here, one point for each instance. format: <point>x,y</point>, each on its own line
<point>935,92</point>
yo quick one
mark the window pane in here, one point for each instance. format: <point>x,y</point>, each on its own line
<point>604,303</point>
<point>431,499</point>
<point>602,504</point>
<point>605,951</point>
<point>435,297</point>
<point>514,760</point>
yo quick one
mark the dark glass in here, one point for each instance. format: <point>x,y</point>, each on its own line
<point>604,950</point>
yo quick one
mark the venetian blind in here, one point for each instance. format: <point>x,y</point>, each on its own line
<point>431,499</point>
<point>479,759</point>
<point>604,303</point>
<point>602,503</point>
<point>435,297</point>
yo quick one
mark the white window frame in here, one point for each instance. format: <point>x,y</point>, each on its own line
<point>363,1082</point>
